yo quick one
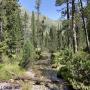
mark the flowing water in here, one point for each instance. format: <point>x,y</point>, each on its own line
<point>49,74</point>
<point>45,75</point>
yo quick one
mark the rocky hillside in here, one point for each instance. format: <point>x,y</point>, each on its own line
<point>48,21</point>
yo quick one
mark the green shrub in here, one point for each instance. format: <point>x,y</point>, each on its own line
<point>28,54</point>
<point>64,73</point>
<point>80,68</point>
<point>76,69</point>
<point>62,57</point>
<point>38,53</point>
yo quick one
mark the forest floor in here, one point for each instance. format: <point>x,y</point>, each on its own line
<point>41,76</point>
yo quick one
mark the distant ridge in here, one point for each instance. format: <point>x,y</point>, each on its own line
<point>48,21</point>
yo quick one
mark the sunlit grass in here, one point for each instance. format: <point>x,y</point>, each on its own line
<point>9,71</point>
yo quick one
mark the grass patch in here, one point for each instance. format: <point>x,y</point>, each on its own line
<point>9,71</point>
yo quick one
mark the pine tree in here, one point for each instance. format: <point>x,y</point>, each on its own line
<point>2,27</point>
<point>73,27</point>
<point>38,4</point>
<point>1,30</point>
<point>84,26</point>
<point>12,28</point>
<point>33,29</point>
<point>25,25</point>
<point>66,12</point>
<point>52,39</point>
<point>41,33</point>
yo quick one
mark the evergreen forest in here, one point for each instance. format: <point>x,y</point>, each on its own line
<point>39,53</point>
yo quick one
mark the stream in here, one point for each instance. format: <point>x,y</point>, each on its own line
<point>44,77</point>
<point>49,74</point>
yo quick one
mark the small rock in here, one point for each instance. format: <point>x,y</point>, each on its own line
<point>9,87</point>
<point>37,83</point>
<point>46,84</point>
<point>11,80</point>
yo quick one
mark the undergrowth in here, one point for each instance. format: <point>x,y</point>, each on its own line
<point>10,71</point>
<point>76,68</point>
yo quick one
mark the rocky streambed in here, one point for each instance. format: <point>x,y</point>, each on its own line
<point>9,86</point>
<point>40,77</point>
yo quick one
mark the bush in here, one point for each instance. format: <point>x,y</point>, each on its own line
<point>76,69</point>
<point>28,55</point>
<point>62,57</point>
<point>80,70</point>
<point>38,53</point>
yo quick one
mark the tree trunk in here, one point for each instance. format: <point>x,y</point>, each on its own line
<point>0,39</point>
<point>68,17</point>
<point>73,28</point>
<point>85,27</point>
<point>68,10</point>
<point>38,25</point>
<point>38,22</point>
<point>33,29</point>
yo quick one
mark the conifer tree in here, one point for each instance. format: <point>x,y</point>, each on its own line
<point>1,30</point>
<point>33,29</point>
<point>38,4</point>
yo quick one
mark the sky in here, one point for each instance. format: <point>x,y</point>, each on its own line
<point>48,7</point>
